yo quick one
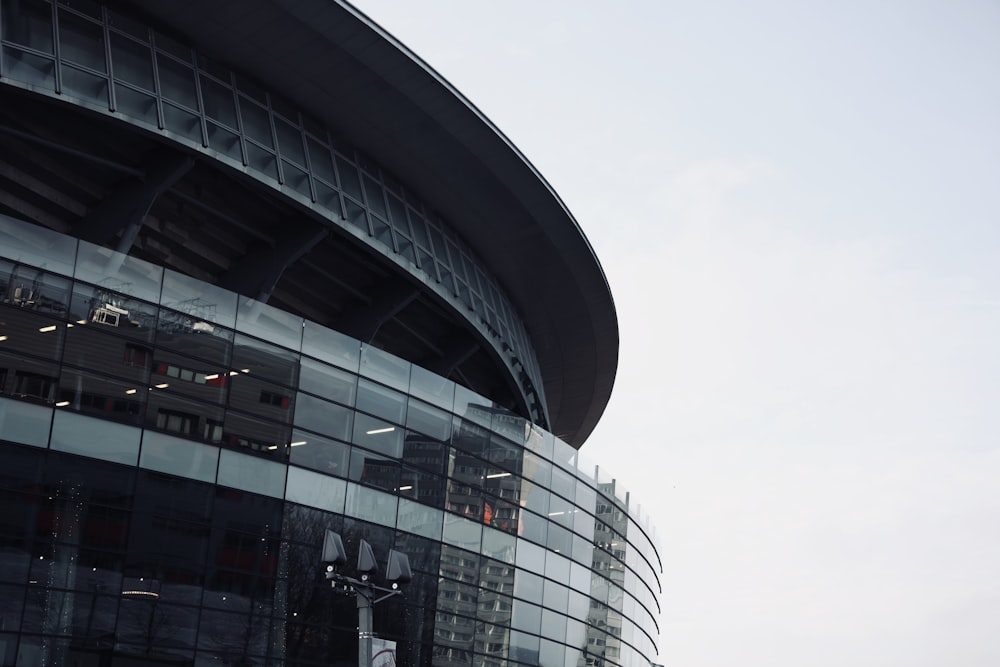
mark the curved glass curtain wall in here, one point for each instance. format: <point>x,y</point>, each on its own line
<point>109,357</point>
<point>108,62</point>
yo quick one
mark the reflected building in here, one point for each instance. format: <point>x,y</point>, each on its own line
<point>264,273</point>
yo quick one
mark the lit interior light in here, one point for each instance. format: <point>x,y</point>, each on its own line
<point>498,474</point>
<point>244,370</point>
<point>272,447</point>
<point>556,513</point>
<point>149,594</point>
<point>299,443</point>
<point>130,391</point>
<point>81,321</point>
<point>69,326</point>
<point>3,338</point>
<point>406,488</point>
<point>234,372</point>
<point>376,431</point>
<point>163,385</point>
<point>47,329</point>
<point>213,376</point>
<point>62,404</point>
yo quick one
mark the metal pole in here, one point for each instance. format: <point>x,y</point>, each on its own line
<point>364,597</point>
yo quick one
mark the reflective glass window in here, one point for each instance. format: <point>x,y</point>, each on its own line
<point>371,505</point>
<point>462,532</point>
<point>385,368</point>
<point>324,454</point>
<point>415,517</point>
<point>251,473</point>
<point>262,360</point>
<point>132,60</point>
<point>377,435</point>
<point>331,346</point>
<point>200,301</point>
<point>310,488</point>
<point>327,381</point>
<point>24,423</point>
<point>107,398</point>
<point>432,388</point>
<point>165,453</point>
<point>322,417</point>
<point>270,324</point>
<point>374,470</point>
<point>381,401</point>
<point>81,41</point>
<point>95,438</point>
<point>422,486</point>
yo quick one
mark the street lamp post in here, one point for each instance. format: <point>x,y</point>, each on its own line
<point>363,589</point>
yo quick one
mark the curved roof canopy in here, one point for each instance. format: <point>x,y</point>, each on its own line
<point>339,66</point>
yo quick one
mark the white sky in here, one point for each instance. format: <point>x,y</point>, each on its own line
<point>797,205</point>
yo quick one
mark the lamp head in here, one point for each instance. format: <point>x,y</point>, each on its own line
<point>333,549</point>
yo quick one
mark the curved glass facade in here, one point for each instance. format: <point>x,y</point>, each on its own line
<point>173,453</point>
<point>89,55</point>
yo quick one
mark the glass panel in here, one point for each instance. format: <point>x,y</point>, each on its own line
<point>262,360</point>
<point>192,418</point>
<point>33,26</point>
<point>29,68</point>
<point>462,533</point>
<point>138,106</point>
<point>331,346</point>
<point>270,323</point>
<point>27,379</point>
<point>106,398</point>
<point>432,388</point>
<point>243,431</point>
<point>177,82</point>
<point>201,301</point>
<point>81,41</point>
<point>174,456</point>
<point>374,470</point>
<point>381,401</point>
<point>370,505</point>
<point>32,289</point>
<point>290,141</point>
<point>323,454</point>
<point>132,62</point>
<point>385,368</point>
<point>219,101</point>
<point>420,519</point>
<point>329,382</point>
<point>327,418</point>
<point>498,545</point>
<point>119,273</point>
<point>315,490</point>
<point>428,420</point>
<point>349,178</point>
<point>95,438</point>
<point>24,422</point>
<point>378,435</point>
<point>256,122</point>
<point>251,474</point>
<point>526,616</point>
<point>181,122</point>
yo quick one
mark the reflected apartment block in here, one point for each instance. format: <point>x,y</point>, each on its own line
<point>264,274</point>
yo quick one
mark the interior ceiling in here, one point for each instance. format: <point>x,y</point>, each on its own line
<point>59,164</point>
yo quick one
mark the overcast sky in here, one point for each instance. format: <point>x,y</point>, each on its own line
<point>797,205</point>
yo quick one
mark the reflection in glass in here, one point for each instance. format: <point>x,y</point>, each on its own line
<point>118,272</point>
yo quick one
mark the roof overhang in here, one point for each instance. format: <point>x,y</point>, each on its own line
<point>340,67</point>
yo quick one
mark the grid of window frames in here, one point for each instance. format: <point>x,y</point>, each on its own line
<point>109,357</point>
<point>81,51</point>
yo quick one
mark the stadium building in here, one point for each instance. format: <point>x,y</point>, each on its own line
<point>264,274</point>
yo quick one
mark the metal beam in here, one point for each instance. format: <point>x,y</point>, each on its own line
<point>384,304</point>
<point>124,210</point>
<point>260,270</point>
